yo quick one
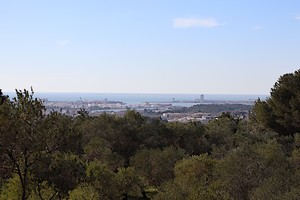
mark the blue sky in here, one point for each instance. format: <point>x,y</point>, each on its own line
<point>157,46</point>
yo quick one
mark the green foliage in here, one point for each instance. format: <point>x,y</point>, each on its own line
<point>157,165</point>
<point>122,135</point>
<point>194,179</point>
<point>281,112</point>
<point>100,149</point>
<point>256,168</point>
<point>222,134</point>
<point>28,137</point>
<point>56,156</point>
<point>66,135</point>
<point>171,190</point>
<point>216,108</point>
<point>130,183</point>
<point>12,189</point>
<point>64,173</point>
<point>3,98</point>
<point>103,180</point>
<point>157,134</point>
<point>43,191</point>
<point>195,169</point>
<point>275,174</point>
<point>22,137</point>
<point>84,193</point>
<point>195,175</point>
<point>190,137</point>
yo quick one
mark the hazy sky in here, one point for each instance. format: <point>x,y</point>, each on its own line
<point>148,46</point>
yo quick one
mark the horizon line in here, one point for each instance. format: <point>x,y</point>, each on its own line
<point>141,93</point>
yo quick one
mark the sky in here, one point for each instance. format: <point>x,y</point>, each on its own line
<point>154,46</point>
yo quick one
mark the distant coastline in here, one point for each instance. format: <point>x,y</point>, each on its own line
<point>130,98</point>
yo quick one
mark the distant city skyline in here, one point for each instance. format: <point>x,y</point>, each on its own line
<point>170,47</point>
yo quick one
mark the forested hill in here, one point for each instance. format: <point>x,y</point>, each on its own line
<point>216,108</point>
<point>56,156</point>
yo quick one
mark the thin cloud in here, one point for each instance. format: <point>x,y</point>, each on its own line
<point>195,22</point>
<point>297,18</point>
<point>62,43</point>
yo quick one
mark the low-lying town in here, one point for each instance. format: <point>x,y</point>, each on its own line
<point>174,111</point>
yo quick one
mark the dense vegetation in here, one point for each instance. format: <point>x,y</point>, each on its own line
<point>56,156</point>
<point>216,109</point>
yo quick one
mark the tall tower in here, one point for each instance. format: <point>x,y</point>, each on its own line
<point>202,97</point>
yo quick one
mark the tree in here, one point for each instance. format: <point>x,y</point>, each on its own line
<point>103,180</point>
<point>254,171</point>
<point>281,112</point>
<point>190,137</point>
<point>3,98</point>
<point>22,138</point>
<point>130,183</point>
<point>194,179</point>
<point>27,136</point>
<point>222,134</point>
<point>84,193</point>
<point>275,175</point>
<point>61,172</point>
<point>239,172</point>
<point>129,137</point>
<point>157,165</point>
<point>121,135</point>
<point>171,190</point>
<point>195,175</point>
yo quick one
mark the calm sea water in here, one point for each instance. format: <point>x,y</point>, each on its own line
<point>142,98</point>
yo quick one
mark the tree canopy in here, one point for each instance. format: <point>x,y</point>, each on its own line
<point>56,156</point>
<point>281,111</point>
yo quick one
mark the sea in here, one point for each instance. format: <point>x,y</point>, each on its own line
<point>128,98</point>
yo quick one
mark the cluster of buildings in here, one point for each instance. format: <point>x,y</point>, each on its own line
<point>163,110</point>
<point>72,107</point>
<point>167,111</point>
<point>187,117</point>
